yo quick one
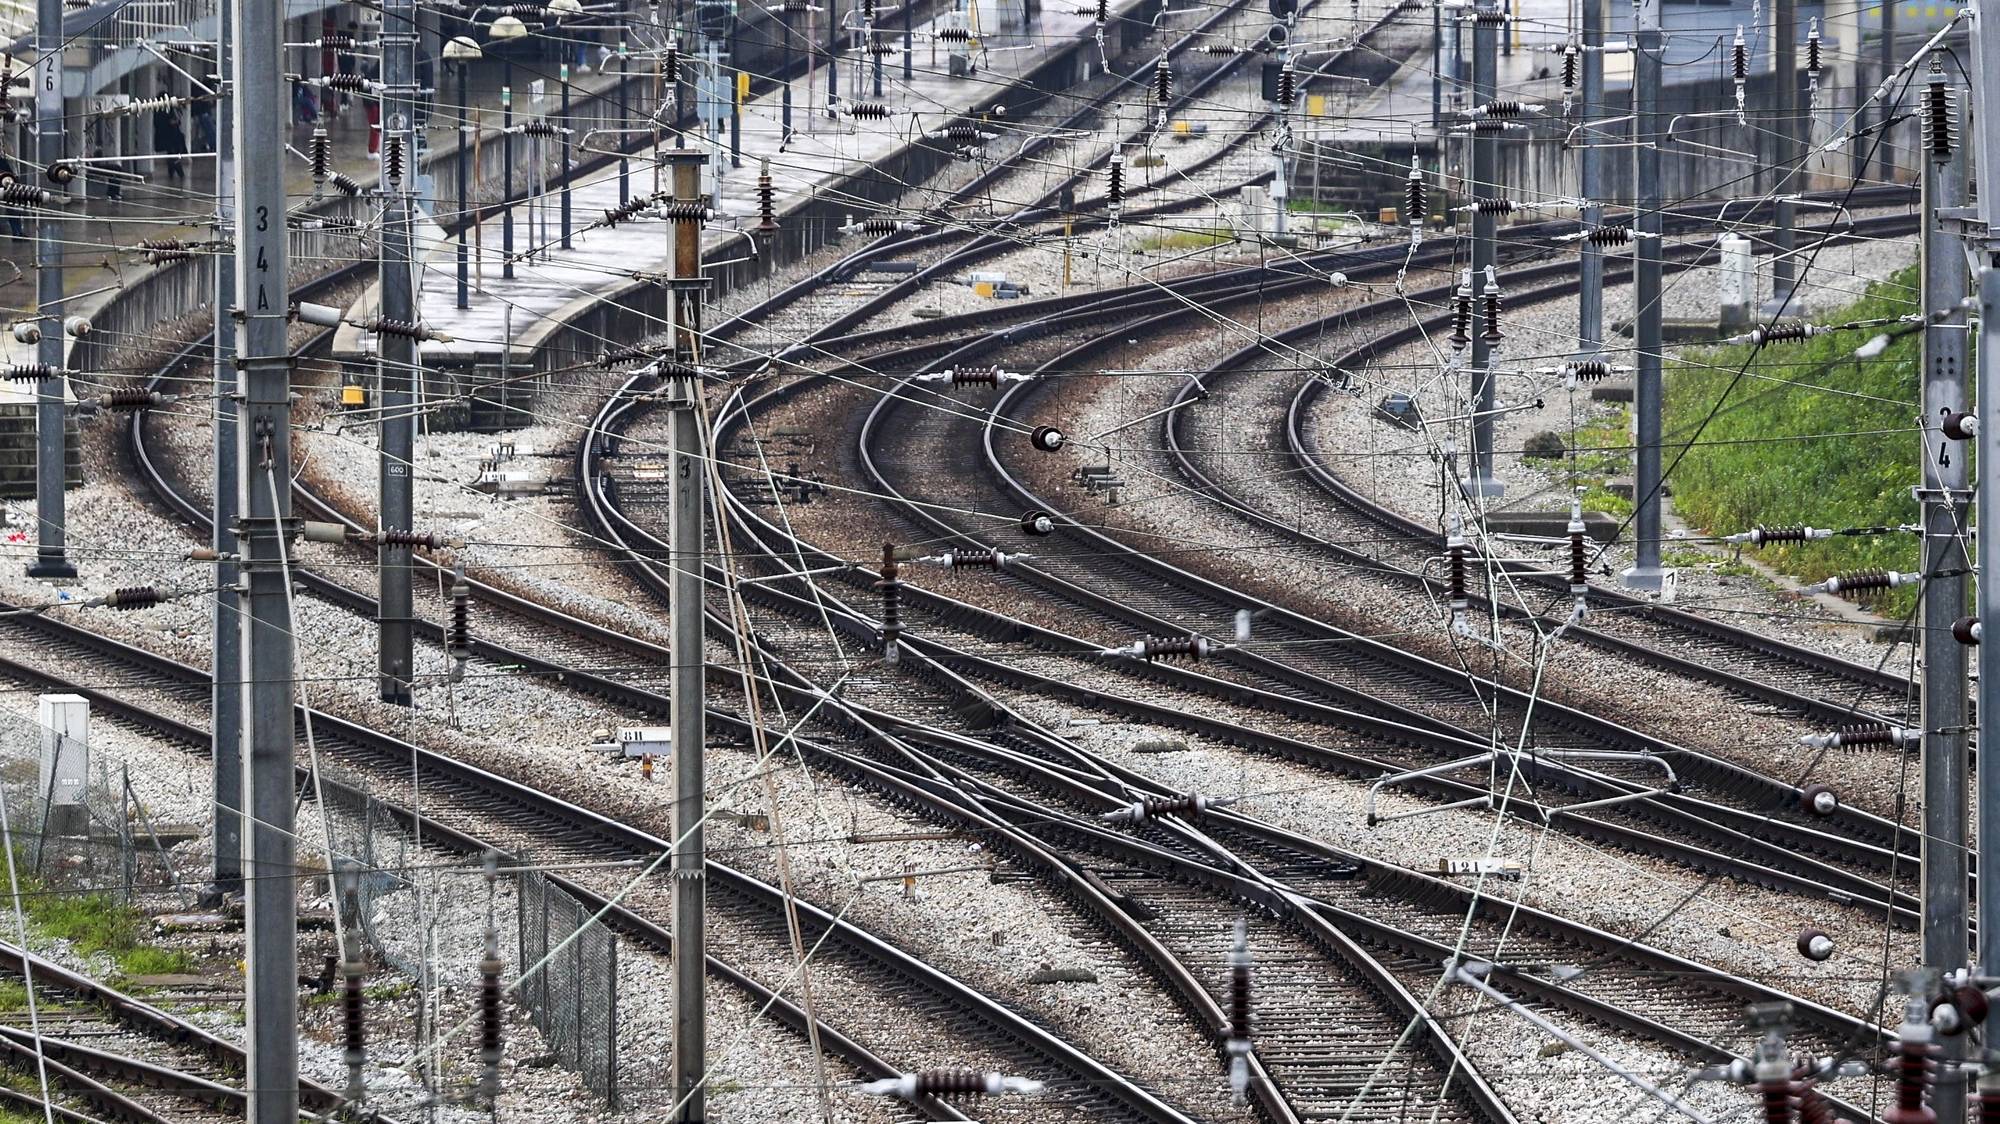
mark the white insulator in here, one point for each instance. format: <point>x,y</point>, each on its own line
<point>1758,536</point>
<point>1815,945</point>
<point>1877,735</point>
<point>908,1085</point>
<point>1889,580</point>
<point>319,315</point>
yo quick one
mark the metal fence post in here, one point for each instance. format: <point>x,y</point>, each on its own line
<point>611,1022</point>
<point>576,979</point>
<point>125,856</point>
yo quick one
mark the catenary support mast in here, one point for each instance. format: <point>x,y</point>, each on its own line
<point>688,467</point>
<point>396,355</point>
<point>1944,285</point>
<point>1486,23</point>
<point>226,691</point>
<point>51,415</point>
<point>1646,572</point>
<point>264,497</point>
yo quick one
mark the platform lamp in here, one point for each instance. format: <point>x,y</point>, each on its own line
<point>558,11</point>
<point>505,29</point>
<point>460,50</point>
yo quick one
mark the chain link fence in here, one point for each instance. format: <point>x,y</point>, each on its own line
<point>386,907</point>
<point>573,1000</point>
<point>73,816</point>
<point>76,822</point>
<point>422,911</point>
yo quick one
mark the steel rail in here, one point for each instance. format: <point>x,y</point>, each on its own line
<point>1728,834</point>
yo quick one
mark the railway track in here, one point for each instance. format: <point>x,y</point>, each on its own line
<point>921,1012</point>
<point>1731,828</point>
<point>1380,542</point>
<point>1413,938</point>
<point>1386,548</point>
<point>587,475</point>
<point>121,1058</point>
<point>556,645</point>
<point>1182,930</point>
<point>781,548</point>
<point>1330,988</point>
<point>793,326</point>
<point>89,1084</point>
<point>573,653</point>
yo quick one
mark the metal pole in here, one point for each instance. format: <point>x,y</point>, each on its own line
<point>1646,572</point>
<point>1886,152</point>
<point>1484,181</point>
<point>396,356</point>
<point>563,77</point>
<point>1590,302</point>
<point>1945,282</point>
<point>464,198</point>
<point>909,44</point>
<point>1281,184</point>
<point>624,121</point>
<point>1988,553</point>
<point>1985,141</point>
<point>1787,177</point>
<point>785,76</point>
<point>832,54</point>
<point>712,114</point>
<point>1985,35</point>
<point>507,162</point>
<point>264,497</point>
<point>868,44</point>
<point>51,463</point>
<point>735,106</point>
<point>226,690</point>
<point>685,612</point>
<point>1437,72</point>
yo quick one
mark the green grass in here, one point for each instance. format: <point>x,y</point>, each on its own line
<point>151,960</point>
<point>91,922</point>
<point>1853,466</point>
<point>1188,240</point>
<point>97,925</point>
<point>1687,558</point>
<point>20,1083</point>
<point>1604,447</point>
<point>1600,450</point>
<point>1597,497</point>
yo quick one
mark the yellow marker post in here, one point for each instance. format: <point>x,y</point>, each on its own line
<point>1315,105</point>
<point>742,86</point>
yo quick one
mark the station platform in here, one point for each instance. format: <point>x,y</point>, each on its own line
<point>828,170</point>
<point>1400,111</point>
<point>102,234</point>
